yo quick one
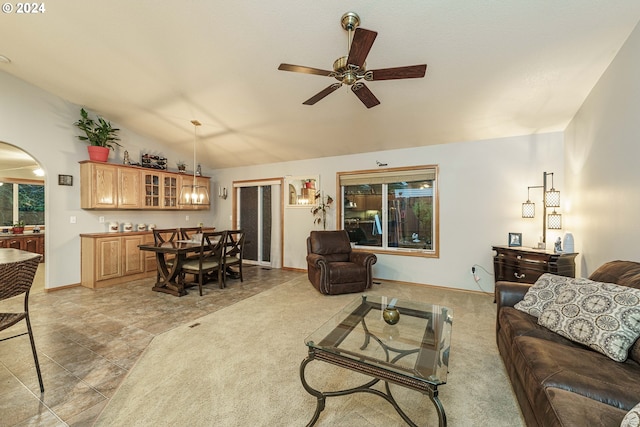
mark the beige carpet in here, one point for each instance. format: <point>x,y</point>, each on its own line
<point>240,365</point>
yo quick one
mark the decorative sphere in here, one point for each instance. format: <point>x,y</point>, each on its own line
<point>391,315</point>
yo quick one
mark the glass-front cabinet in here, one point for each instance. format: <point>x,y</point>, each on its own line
<point>170,191</point>
<point>152,181</point>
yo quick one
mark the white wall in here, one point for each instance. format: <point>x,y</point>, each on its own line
<point>482,186</point>
<point>42,125</point>
<point>602,155</point>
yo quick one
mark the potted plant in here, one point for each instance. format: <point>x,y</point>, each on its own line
<point>100,135</point>
<point>320,210</point>
<point>182,166</point>
<point>18,227</point>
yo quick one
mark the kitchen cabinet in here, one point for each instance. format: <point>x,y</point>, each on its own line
<point>98,186</point>
<point>25,242</point>
<point>111,186</point>
<point>113,258</point>
<point>129,188</point>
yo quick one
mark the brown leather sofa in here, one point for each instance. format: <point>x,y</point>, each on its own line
<point>333,267</point>
<point>558,382</point>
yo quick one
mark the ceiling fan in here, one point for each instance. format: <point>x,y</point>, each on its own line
<point>351,69</point>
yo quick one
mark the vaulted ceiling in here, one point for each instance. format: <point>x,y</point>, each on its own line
<point>495,69</point>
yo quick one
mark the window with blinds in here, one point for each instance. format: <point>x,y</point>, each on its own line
<point>393,210</point>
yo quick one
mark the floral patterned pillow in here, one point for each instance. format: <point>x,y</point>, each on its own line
<point>632,419</point>
<point>603,316</point>
<point>544,292</point>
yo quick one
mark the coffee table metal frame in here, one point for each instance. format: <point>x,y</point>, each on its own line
<point>377,371</point>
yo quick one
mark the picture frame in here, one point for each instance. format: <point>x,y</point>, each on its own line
<point>515,239</point>
<point>300,191</point>
<point>65,180</point>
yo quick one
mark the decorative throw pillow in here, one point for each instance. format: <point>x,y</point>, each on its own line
<point>603,316</point>
<point>632,419</point>
<point>544,292</point>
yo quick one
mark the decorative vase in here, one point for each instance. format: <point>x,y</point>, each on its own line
<point>97,153</point>
<point>568,243</point>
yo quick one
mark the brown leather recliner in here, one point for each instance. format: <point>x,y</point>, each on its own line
<point>333,267</point>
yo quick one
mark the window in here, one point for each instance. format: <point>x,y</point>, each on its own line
<point>21,202</point>
<point>392,210</point>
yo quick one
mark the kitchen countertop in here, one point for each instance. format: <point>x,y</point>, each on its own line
<point>28,233</point>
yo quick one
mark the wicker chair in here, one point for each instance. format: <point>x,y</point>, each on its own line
<point>333,267</point>
<point>17,271</point>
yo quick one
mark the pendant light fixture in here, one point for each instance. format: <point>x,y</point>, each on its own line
<point>194,194</point>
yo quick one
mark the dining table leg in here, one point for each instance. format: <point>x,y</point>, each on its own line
<point>168,275</point>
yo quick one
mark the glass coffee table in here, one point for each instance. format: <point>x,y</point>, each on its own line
<point>400,342</point>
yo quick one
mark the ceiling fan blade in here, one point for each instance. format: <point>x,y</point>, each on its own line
<point>366,96</point>
<point>303,69</point>
<point>360,46</point>
<point>324,92</point>
<point>410,72</point>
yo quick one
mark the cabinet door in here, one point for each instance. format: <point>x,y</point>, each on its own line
<point>31,244</point>
<point>170,191</point>
<point>15,243</point>
<point>129,187</point>
<point>104,186</point>
<point>108,258</point>
<point>133,261</point>
<point>152,183</point>
<point>149,257</point>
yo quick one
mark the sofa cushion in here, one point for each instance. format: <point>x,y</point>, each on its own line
<point>571,410</point>
<point>544,292</point>
<point>632,418</point>
<point>625,273</point>
<point>540,364</point>
<point>604,316</point>
<point>515,323</point>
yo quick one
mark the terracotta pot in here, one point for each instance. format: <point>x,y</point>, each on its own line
<point>17,230</point>
<point>97,153</point>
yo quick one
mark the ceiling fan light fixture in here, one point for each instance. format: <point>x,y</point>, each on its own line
<point>350,69</point>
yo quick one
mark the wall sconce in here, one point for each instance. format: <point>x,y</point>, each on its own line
<point>550,199</point>
<point>222,192</point>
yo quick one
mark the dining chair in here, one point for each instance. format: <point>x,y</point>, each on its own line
<point>165,235</point>
<point>234,251</point>
<point>189,232</point>
<point>15,281</point>
<point>209,259</point>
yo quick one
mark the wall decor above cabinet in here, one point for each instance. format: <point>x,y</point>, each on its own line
<point>113,186</point>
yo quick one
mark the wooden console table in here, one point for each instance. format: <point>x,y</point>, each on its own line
<point>526,265</point>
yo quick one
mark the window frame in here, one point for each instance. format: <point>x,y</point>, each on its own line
<point>16,210</point>
<point>407,170</point>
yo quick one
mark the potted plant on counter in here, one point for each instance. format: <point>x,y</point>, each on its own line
<point>100,135</point>
<point>18,227</point>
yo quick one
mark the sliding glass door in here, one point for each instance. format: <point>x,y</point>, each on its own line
<point>258,210</point>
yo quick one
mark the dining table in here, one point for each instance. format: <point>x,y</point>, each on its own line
<point>168,272</point>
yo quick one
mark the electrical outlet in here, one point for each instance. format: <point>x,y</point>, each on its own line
<point>72,219</point>
<point>101,220</point>
<point>186,218</point>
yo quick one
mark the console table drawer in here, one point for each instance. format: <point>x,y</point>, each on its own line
<point>526,265</point>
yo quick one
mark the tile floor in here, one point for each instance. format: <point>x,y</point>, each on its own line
<point>87,341</point>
